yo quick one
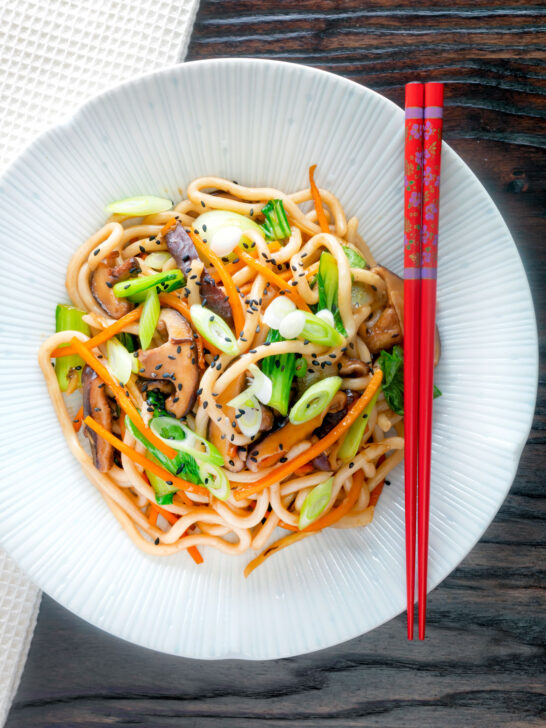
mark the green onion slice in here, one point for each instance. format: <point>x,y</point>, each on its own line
<point>180,437</point>
<point>249,412</point>
<point>353,438</point>
<point>301,368</point>
<point>136,288</point>
<point>157,260</point>
<point>215,480</point>
<point>120,361</point>
<point>325,315</point>
<point>223,230</point>
<point>214,329</point>
<point>277,310</point>
<point>314,400</point>
<point>315,502</point>
<point>262,386</point>
<point>139,206</point>
<point>319,332</point>
<point>163,491</point>
<point>149,318</point>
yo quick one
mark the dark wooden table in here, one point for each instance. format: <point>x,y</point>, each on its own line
<point>483,661</point>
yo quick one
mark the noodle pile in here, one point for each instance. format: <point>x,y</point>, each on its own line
<point>241,523</point>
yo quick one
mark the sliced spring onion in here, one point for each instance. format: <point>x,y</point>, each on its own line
<point>210,223</point>
<point>314,400</point>
<point>327,316</point>
<point>214,329</point>
<point>225,240</point>
<point>139,205</point>
<point>319,332</point>
<point>315,502</point>
<point>353,438</point>
<point>249,412</point>
<point>120,361</point>
<point>157,260</point>
<point>292,324</point>
<point>276,226</point>
<point>136,288</point>
<point>277,310</point>
<point>355,259</point>
<point>68,318</point>
<point>327,284</point>
<point>262,386</point>
<point>149,318</point>
<point>181,438</point>
<point>163,491</point>
<point>215,480</point>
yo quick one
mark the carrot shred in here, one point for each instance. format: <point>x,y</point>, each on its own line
<point>321,216</point>
<point>273,278</point>
<point>121,397</point>
<point>304,470</point>
<point>142,460</point>
<point>152,515</point>
<point>168,225</point>
<point>376,492</point>
<point>172,519</point>
<point>102,336</point>
<point>77,421</point>
<point>229,284</point>
<point>343,508</point>
<point>282,543</point>
<point>278,474</point>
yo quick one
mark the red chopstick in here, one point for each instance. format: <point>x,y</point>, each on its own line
<point>434,100</point>
<point>413,177</point>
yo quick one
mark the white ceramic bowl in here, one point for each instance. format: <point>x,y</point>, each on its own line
<point>259,122</point>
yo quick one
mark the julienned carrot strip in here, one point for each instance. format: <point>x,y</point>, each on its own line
<point>104,335</point>
<point>169,299</point>
<point>321,216</point>
<point>172,519</point>
<point>275,476</point>
<point>121,397</point>
<point>152,515</point>
<point>77,421</point>
<point>282,543</point>
<point>229,284</point>
<point>304,470</point>
<point>376,492</point>
<point>142,460</point>
<point>273,278</point>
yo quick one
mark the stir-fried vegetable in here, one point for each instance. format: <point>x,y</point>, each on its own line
<point>355,259</point>
<point>327,283</point>
<point>315,193</point>
<point>163,491</point>
<point>177,435</point>
<point>280,369</point>
<point>278,474</point>
<point>120,361</point>
<point>214,329</point>
<point>315,503</point>
<point>310,327</point>
<point>137,288</point>
<point>392,365</point>
<point>149,318</point>
<point>139,206</point>
<point>249,412</point>
<point>157,260</point>
<point>277,310</point>
<point>353,438</point>
<point>314,400</point>
<point>276,225</point>
<point>181,464</point>
<point>223,230</point>
<point>69,368</point>
<point>215,480</point>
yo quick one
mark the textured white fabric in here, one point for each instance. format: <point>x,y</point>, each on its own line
<point>55,54</point>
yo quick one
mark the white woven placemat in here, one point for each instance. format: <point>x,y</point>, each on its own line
<point>55,54</point>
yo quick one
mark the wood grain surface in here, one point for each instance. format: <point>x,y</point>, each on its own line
<point>483,661</point>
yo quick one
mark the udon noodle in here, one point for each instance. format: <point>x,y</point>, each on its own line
<point>284,468</point>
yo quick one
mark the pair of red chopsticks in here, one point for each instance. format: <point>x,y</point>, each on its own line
<point>423,144</point>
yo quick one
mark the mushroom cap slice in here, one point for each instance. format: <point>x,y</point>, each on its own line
<point>102,282</point>
<point>96,405</point>
<point>388,329</point>
<point>175,361</point>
